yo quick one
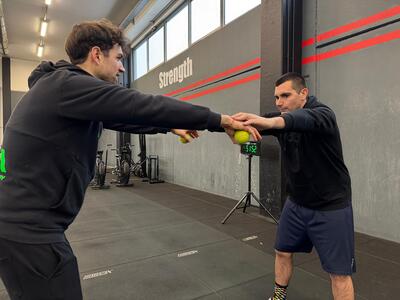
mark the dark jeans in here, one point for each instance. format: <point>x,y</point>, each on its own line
<point>39,271</point>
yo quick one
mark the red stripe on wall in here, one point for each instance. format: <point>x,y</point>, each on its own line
<point>308,42</point>
<point>354,25</point>
<point>353,47</point>
<point>216,76</point>
<point>223,87</point>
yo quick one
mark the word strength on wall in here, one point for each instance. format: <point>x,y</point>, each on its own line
<point>177,74</point>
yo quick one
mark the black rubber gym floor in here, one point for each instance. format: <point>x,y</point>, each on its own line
<point>164,241</point>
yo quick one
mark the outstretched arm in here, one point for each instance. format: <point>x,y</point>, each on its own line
<point>260,123</point>
<point>319,120</point>
<point>188,135</point>
<point>135,129</point>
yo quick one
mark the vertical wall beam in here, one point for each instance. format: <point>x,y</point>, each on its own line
<point>124,138</point>
<point>271,69</point>
<point>6,89</point>
<point>292,31</point>
<point>281,34</point>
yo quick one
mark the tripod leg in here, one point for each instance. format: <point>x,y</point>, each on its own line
<point>262,205</point>
<point>248,202</point>
<point>233,209</point>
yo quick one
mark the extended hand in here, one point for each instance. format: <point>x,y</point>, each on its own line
<point>230,125</point>
<point>186,134</point>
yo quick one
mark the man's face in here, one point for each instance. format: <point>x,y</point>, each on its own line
<point>288,99</point>
<point>111,64</point>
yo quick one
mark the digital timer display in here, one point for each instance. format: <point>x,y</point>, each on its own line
<point>250,148</point>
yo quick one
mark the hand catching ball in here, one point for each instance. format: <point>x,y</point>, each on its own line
<point>241,136</point>
<point>183,140</point>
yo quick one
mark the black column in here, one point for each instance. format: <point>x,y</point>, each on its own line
<point>281,28</point>
<point>124,138</point>
<point>271,69</point>
<point>292,31</point>
<point>6,89</point>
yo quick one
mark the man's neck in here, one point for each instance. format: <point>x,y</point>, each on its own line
<point>86,67</point>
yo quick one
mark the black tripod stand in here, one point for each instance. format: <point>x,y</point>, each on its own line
<point>247,196</point>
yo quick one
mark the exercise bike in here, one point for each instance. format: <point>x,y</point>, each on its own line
<point>123,166</point>
<point>137,168</point>
<point>100,172</point>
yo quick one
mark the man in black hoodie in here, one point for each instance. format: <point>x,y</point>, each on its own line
<point>318,211</point>
<point>49,149</point>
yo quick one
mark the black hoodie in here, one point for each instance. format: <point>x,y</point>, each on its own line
<point>50,144</point>
<point>316,174</point>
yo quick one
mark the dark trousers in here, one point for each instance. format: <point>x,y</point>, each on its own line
<point>39,271</point>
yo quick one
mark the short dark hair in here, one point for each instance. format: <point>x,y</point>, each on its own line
<point>88,34</point>
<point>298,82</point>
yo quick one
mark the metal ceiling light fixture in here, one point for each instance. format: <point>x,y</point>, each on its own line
<point>43,27</point>
<point>44,23</point>
<point>40,49</point>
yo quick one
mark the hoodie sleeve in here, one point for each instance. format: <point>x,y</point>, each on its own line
<point>135,129</point>
<point>84,97</point>
<point>319,119</point>
<point>272,114</point>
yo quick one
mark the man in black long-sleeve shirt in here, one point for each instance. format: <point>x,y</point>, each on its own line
<point>49,149</point>
<point>318,211</point>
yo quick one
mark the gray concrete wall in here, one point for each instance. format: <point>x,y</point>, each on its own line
<point>362,88</point>
<point>108,137</point>
<point>212,163</point>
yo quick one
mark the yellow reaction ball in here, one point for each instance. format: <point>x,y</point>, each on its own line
<point>241,136</point>
<point>183,140</point>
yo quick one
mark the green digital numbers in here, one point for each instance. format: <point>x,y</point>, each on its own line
<point>2,164</point>
<point>251,148</point>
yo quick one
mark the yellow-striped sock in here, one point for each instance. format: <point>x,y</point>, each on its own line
<point>279,292</point>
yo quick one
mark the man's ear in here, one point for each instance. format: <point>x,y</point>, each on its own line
<point>96,55</point>
<point>304,93</point>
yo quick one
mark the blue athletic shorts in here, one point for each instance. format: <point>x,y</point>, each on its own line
<point>330,232</point>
